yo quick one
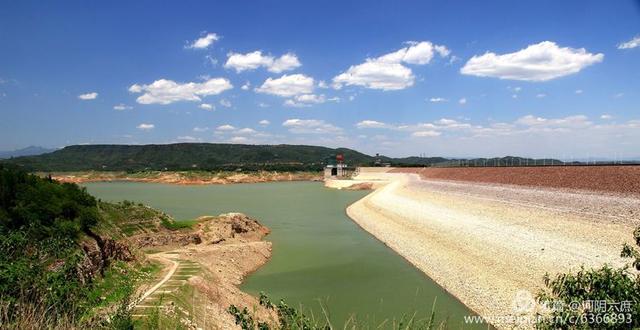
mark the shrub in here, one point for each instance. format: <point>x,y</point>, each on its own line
<point>604,298</point>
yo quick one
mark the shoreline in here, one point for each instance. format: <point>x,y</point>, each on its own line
<point>478,253</point>
<point>212,270</point>
<point>185,177</point>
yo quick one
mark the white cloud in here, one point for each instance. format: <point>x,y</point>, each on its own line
<point>310,126</point>
<point>305,100</point>
<point>577,121</point>
<point>225,103</point>
<point>88,96</point>
<point>255,59</point>
<point>245,130</point>
<point>606,117</point>
<point>122,107</point>
<point>426,134</point>
<point>164,91</point>
<point>462,101</point>
<point>618,95</point>
<point>238,139</point>
<point>387,72</point>
<point>206,106</point>
<point>539,62</point>
<point>200,129</point>
<point>264,122</point>
<point>541,95</point>
<point>371,124</point>
<point>225,127</point>
<point>204,41</point>
<point>263,105</point>
<point>246,86</point>
<point>633,43</point>
<point>287,85</point>
<point>579,91</point>
<point>437,99</point>
<point>188,138</point>
<point>146,127</point>
<point>286,62</point>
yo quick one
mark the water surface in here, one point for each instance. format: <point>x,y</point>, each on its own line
<point>319,254</point>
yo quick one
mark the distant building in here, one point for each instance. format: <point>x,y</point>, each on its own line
<point>336,168</point>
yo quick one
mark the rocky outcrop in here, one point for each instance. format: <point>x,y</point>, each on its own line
<point>208,230</point>
<point>97,253</point>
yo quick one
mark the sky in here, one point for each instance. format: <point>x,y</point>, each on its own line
<point>432,78</point>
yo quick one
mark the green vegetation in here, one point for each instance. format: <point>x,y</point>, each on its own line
<point>604,298</point>
<point>205,158</point>
<point>290,318</point>
<point>187,156</point>
<point>47,277</point>
<point>177,225</point>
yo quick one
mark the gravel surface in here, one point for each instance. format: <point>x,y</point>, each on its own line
<point>485,243</point>
<point>614,179</point>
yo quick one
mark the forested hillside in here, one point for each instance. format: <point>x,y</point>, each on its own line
<point>186,156</point>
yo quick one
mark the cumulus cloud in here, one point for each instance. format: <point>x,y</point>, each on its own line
<point>225,127</point>
<point>203,42</point>
<point>264,122</point>
<point>606,116</point>
<point>164,91</point>
<point>238,139</point>
<point>310,126</point>
<point>88,96</point>
<point>246,130</point>
<point>246,86</point>
<point>388,72</point>
<point>462,101</point>
<point>539,62</point>
<point>633,43</point>
<point>122,107</point>
<point>305,100</point>
<point>255,59</point>
<point>287,85</point>
<point>371,124</point>
<point>146,127</point>
<point>206,106</point>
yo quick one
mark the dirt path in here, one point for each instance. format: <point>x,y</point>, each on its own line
<point>164,292</point>
<point>488,243</point>
<point>167,277</point>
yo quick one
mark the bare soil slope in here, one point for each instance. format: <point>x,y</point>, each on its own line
<point>614,179</point>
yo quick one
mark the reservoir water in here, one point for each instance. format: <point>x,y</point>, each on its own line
<point>319,254</point>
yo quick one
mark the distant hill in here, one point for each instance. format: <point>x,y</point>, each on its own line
<point>28,151</point>
<point>218,156</point>
<point>188,156</point>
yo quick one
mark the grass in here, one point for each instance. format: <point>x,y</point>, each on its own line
<point>178,225</point>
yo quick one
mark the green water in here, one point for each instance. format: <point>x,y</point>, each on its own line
<point>319,254</point>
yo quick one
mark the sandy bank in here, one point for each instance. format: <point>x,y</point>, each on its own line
<point>186,177</point>
<point>486,243</point>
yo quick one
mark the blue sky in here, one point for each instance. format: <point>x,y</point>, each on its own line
<point>544,78</point>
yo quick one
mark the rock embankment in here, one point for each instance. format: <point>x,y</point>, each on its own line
<point>488,244</point>
<point>610,179</point>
